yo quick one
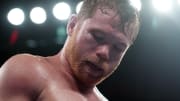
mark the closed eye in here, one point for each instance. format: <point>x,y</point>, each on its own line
<point>98,37</point>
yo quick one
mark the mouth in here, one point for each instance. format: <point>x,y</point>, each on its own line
<point>94,70</point>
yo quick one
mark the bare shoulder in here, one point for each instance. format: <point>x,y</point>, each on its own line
<point>19,74</point>
<point>19,60</point>
<point>20,68</point>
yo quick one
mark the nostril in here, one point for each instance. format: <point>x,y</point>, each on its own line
<point>102,56</point>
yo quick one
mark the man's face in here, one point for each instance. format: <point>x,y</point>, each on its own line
<point>96,47</point>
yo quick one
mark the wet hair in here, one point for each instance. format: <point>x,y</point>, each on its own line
<point>129,16</point>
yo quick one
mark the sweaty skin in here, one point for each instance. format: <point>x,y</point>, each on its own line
<point>91,53</point>
<point>35,79</point>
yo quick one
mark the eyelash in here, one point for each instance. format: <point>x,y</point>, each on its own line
<point>98,38</point>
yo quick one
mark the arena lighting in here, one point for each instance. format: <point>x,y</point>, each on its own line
<point>136,4</point>
<point>31,43</point>
<point>78,7</point>
<point>38,15</point>
<point>62,11</point>
<point>163,6</point>
<point>179,2</point>
<point>16,16</point>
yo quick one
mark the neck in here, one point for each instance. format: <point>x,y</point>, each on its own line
<point>65,61</point>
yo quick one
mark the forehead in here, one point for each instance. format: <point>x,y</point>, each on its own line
<point>107,21</point>
<point>107,16</point>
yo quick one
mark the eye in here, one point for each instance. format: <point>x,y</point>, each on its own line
<point>98,37</point>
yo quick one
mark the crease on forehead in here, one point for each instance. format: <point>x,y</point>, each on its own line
<point>105,13</point>
<point>106,16</point>
<point>106,29</point>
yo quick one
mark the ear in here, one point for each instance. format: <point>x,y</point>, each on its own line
<point>71,24</point>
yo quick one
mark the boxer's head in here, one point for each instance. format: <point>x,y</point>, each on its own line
<point>98,37</point>
<point>129,16</point>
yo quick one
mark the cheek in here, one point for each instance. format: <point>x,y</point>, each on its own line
<point>117,55</point>
<point>86,44</point>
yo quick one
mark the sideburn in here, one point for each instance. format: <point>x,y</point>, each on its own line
<point>71,48</point>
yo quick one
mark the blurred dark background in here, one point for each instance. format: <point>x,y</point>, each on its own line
<point>150,70</point>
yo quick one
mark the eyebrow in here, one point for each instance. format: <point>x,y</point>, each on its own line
<point>97,30</point>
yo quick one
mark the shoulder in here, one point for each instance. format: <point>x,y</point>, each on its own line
<point>19,60</point>
<point>25,65</point>
<point>20,72</point>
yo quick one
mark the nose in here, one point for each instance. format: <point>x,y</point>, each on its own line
<point>103,52</point>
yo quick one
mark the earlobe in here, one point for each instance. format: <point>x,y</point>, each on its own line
<point>71,24</point>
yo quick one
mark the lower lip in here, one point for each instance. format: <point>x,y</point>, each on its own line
<point>94,71</point>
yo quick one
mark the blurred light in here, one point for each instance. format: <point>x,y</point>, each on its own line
<point>179,2</point>
<point>62,11</point>
<point>162,5</point>
<point>155,23</point>
<point>38,15</point>
<point>61,35</point>
<point>78,7</point>
<point>136,4</point>
<point>31,43</point>
<point>13,37</point>
<point>16,16</point>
